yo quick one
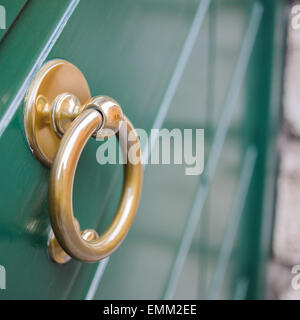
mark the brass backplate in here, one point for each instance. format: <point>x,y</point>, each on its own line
<point>54,78</point>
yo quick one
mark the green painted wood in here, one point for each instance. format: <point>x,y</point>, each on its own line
<point>12,10</point>
<point>134,68</point>
<point>268,85</point>
<point>133,50</point>
<point>146,263</point>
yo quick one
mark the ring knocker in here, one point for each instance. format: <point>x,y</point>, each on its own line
<point>60,117</point>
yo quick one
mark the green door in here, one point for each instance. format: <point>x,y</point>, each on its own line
<point>187,64</point>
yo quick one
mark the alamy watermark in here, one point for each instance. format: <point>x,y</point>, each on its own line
<point>163,146</point>
<point>2,278</point>
<point>295,21</point>
<point>2,17</point>
<point>296,278</point>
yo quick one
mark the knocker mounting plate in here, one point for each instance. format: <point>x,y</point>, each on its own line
<point>54,78</point>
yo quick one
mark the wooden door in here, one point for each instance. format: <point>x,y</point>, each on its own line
<point>181,64</point>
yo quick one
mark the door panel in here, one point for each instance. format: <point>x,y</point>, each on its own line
<point>169,63</point>
<point>159,258</point>
<point>112,67</point>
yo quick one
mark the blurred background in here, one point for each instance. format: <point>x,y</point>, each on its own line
<point>286,242</point>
